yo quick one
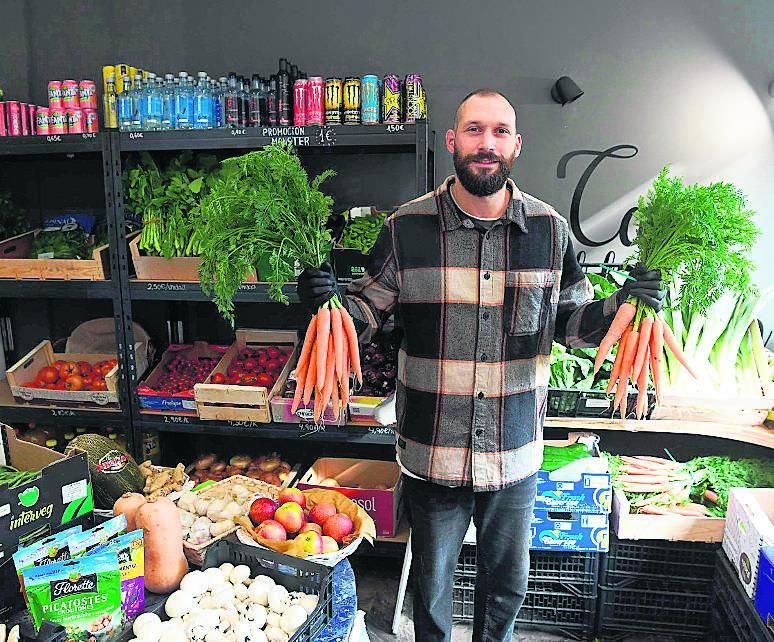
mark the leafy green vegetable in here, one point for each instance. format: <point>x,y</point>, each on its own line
<point>700,234</point>
<point>261,204</point>
<point>556,457</point>
<point>361,232</point>
<point>71,244</point>
<point>723,473</point>
<point>603,287</point>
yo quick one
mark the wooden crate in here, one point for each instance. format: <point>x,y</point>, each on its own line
<point>13,265</point>
<point>748,411</point>
<point>158,268</point>
<point>243,403</point>
<point>26,369</point>
<point>675,528</point>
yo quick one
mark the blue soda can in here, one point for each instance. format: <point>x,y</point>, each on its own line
<point>369,100</point>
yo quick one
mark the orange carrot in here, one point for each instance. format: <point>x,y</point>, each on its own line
<point>337,332</point>
<point>335,400</point>
<point>351,333</point>
<point>318,406</point>
<point>344,387</point>
<point>616,371</point>
<point>643,343</point>
<point>620,322</point>
<point>656,355</point>
<point>323,333</point>
<point>311,375</point>
<point>345,365</point>
<point>306,348</point>
<point>671,342</point>
<point>330,371</point>
<point>642,392</point>
<point>626,371</point>
<point>299,393</point>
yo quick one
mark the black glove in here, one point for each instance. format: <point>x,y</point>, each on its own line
<point>646,286</point>
<point>315,287</point>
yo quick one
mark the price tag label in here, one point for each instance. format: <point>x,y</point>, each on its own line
<point>176,419</point>
<point>243,424</point>
<point>54,138</point>
<point>381,430</point>
<point>326,136</point>
<point>393,128</point>
<point>135,135</point>
<point>296,136</point>
<point>88,136</point>
<point>248,287</point>
<point>165,287</point>
<point>306,428</point>
<point>56,412</point>
<point>239,132</point>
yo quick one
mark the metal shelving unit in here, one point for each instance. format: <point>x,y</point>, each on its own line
<point>53,144</point>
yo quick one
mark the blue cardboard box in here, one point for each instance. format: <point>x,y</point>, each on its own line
<point>563,531</point>
<point>764,591</point>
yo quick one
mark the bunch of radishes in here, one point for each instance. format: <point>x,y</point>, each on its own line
<point>254,367</point>
<point>181,374</point>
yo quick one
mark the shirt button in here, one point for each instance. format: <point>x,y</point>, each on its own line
<point>480,395</point>
<point>479,432</point>
<point>485,316</point>
<point>483,356</point>
<point>467,223</point>
<point>486,275</point>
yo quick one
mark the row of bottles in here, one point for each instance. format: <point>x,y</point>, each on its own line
<point>150,103</point>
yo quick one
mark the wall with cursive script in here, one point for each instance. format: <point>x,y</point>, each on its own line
<point>665,82</point>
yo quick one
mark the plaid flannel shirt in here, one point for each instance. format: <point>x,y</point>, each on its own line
<point>479,313</point>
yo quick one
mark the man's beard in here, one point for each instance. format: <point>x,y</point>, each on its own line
<point>488,182</point>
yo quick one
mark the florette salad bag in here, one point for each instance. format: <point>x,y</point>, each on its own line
<point>83,543</point>
<point>50,550</point>
<point>130,549</point>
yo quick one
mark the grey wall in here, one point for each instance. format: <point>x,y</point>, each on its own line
<point>684,82</point>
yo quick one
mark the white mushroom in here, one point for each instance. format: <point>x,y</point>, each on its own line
<point>147,627</point>
<point>215,636</point>
<point>239,574</point>
<point>194,583</point>
<point>226,567</point>
<point>256,615</point>
<point>309,602</point>
<point>276,634</point>
<point>178,604</point>
<point>200,624</point>
<point>215,578</point>
<point>240,592</point>
<point>265,579</point>
<point>249,633</point>
<point>273,619</point>
<point>293,619</point>
<point>258,593</point>
<point>223,595</point>
<point>171,632</point>
<point>279,598</point>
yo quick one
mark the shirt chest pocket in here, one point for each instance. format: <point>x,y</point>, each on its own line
<point>530,299</point>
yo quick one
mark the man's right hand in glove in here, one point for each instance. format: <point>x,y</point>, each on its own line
<point>316,286</point>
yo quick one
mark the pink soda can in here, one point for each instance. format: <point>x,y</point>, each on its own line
<point>87,90</point>
<point>315,101</point>
<point>41,121</point>
<point>57,121</point>
<point>25,119</point>
<point>3,128</point>
<point>32,111</point>
<point>92,121</point>
<point>13,114</point>
<point>75,121</point>
<point>300,87</point>
<point>55,94</point>
<point>70,95</point>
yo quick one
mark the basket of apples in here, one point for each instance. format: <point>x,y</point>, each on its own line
<point>322,526</point>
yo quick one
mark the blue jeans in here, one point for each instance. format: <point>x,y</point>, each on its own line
<point>439,517</point>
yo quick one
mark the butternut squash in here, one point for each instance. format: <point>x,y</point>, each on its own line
<point>165,562</point>
<point>127,505</point>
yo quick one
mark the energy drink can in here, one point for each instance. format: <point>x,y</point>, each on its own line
<point>300,89</point>
<point>352,101</point>
<point>13,115</point>
<point>3,128</point>
<point>87,91</point>
<point>75,121</point>
<point>391,99</point>
<point>315,106</point>
<point>41,121</point>
<point>57,121</point>
<point>369,100</point>
<point>24,118</point>
<point>333,87</point>
<point>91,121</point>
<point>70,97</point>
<point>416,103</point>
<point>33,112</point>
<point>55,94</point>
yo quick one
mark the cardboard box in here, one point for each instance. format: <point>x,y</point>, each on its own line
<point>361,410</point>
<point>60,498</point>
<point>358,479</point>
<point>562,531</point>
<point>674,528</point>
<point>749,528</point>
<point>183,402</point>
<point>580,487</point>
<point>764,590</point>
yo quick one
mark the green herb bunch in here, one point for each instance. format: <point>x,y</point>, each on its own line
<point>700,234</point>
<point>168,201</point>
<point>262,204</point>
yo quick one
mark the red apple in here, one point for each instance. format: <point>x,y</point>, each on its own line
<point>272,530</point>
<point>311,526</point>
<point>291,516</point>
<point>292,495</point>
<point>321,512</point>
<point>312,542</point>
<point>338,526</point>
<point>262,509</point>
<point>329,545</point>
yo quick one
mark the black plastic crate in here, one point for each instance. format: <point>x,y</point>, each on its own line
<point>548,606</point>
<point>590,403</point>
<point>580,569</point>
<point>643,633</point>
<point>734,617</point>
<point>627,560</point>
<point>657,607</point>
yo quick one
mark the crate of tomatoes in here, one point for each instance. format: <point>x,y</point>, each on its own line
<point>45,377</point>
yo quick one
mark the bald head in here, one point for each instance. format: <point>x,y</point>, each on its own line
<point>477,100</point>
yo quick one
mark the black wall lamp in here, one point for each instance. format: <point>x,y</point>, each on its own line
<point>565,90</point>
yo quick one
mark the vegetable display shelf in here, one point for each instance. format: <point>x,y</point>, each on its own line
<point>52,144</point>
<point>55,289</point>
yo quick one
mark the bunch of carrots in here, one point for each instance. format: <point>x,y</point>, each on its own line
<point>329,353</point>
<point>641,335</point>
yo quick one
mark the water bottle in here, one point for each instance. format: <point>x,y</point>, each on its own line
<point>151,105</point>
<point>157,102</point>
<point>182,103</point>
<point>232,102</point>
<point>168,102</point>
<point>263,102</point>
<point>136,94</point>
<point>125,106</point>
<point>245,102</point>
<point>202,110</point>
<point>219,98</point>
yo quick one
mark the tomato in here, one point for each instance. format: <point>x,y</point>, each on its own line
<point>87,381</point>
<point>59,385</point>
<point>74,383</point>
<point>273,365</point>
<point>218,377</point>
<point>265,380</point>
<point>48,374</point>
<point>58,364</point>
<point>249,379</point>
<point>105,368</point>
<point>84,367</point>
<point>68,369</point>
<point>112,362</point>
<point>99,384</point>
<point>30,384</point>
<point>273,352</point>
